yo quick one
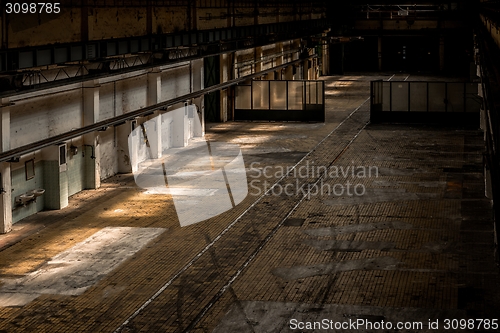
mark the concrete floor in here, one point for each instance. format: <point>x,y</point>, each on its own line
<point>413,244</point>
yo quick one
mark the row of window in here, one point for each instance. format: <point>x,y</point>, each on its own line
<point>199,3</point>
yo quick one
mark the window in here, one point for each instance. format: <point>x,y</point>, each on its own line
<point>62,154</point>
<point>29,167</point>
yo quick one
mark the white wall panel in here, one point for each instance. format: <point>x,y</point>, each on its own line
<point>108,153</point>
<point>38,118</point>
<point>174,83</point>
<point>122,96</point>
<point>106,101</point>
<point>197,72</point>
<point>131,94</point>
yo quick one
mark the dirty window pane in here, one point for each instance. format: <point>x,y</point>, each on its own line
<point>319,87</point>
<point>418,96</point>
<point>260,95</point>
<point>437,96</point>
<point>399,96</point>
<point>278,95</point>
<point>472,99</point>
<point>386,96</point>
<point>30,169</point>
<point>243,94</point>
<point>311,93</point>
<point>456,97</point>
<point>295,95</point>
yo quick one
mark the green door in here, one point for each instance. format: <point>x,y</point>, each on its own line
<point>211,67</point>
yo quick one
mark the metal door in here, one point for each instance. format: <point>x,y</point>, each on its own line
<point>211,67</point>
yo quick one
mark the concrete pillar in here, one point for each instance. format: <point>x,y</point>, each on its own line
<point>226,61</point>
<point>199,126</point>
<point>441,53</point>
<point>5,199</point>
<point>380,53</point>
<point>305,69</point>
<point>202,114</point>
<point>257,59</point>
<point>154,86</point>
<point>279,60</point>
<point>153,129</point>
<point>197,85</point>
<point>56,176</point>
<point>179,135</point>
<point>295,45</point>
<point>289,72</point>
<point>5,176</point>
<point>197,75</point>
<point>122,133</point>
<point>91,116</point>
<point>224,106</point>
<point>153,132</point>
<point>325,59</point>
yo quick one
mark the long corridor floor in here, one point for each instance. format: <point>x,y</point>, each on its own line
<point>346,224</point>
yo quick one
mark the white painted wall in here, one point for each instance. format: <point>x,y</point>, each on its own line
<point>131,94</point>
<point>109,157</point>
<point>40,115</point>
<point>175,82</point>
<point>35,119</point>
<point>107,101</point>
<point>197,82</point>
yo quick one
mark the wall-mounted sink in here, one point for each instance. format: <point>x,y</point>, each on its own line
<point>23,199</point>
<point>38,192</point>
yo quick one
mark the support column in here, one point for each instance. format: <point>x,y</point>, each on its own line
<point>5,176</point>
<point>225,75</point>
<point>91,140</point>
<point>257,59</point>
<point>154,86</point>
<point>154,129</point>
<point>289,72</point>
<point>199,126</point>
<point>325,58</point>
<point>179,135</point>
<point>295,45</point>
<point>197,85</point>
<point>279,60</point>
<point>305,69</point>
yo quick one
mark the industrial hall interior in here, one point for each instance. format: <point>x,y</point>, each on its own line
<point>221,166</point>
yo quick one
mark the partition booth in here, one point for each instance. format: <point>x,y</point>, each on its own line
<point>268,100</point>
<point>425,102</point>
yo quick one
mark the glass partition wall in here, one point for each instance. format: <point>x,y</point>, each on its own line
<point>280,101</point>
<point>427,102</point>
